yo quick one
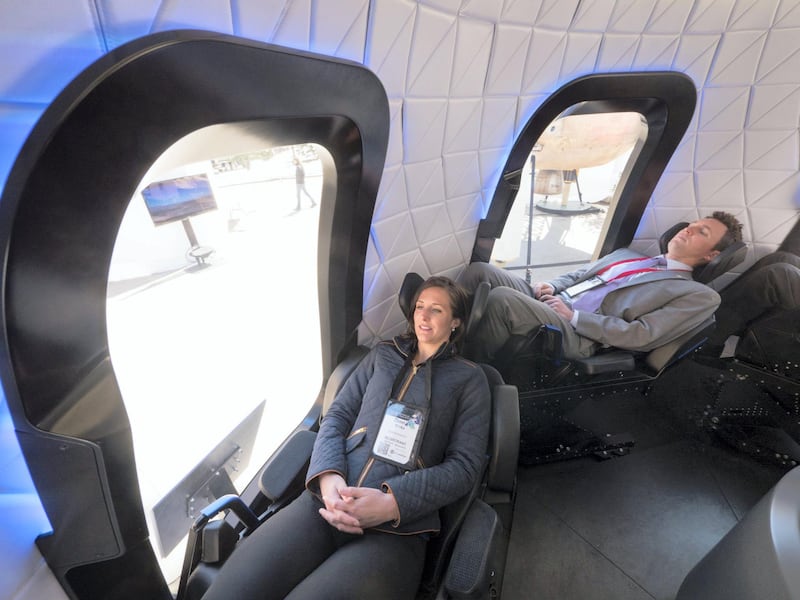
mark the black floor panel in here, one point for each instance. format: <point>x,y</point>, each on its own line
<point>630,527</point>
<point>549,561</point>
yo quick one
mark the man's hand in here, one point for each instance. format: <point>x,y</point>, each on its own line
<point>542,288</point>
<point>558,305</point>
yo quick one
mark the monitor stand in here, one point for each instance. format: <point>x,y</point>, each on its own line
<point>197,252</point>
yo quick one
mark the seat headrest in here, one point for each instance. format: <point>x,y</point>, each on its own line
<point>663,241</point>
<point>721,263</point>
<point>411,283</point>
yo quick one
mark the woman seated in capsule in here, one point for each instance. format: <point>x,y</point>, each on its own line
<point>406,435</point>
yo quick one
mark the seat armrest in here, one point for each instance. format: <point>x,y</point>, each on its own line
<point>606,362</point>
<point>230,502</point>
<point>504,453</point>
<point>476,567</point>
<point>287,465</point>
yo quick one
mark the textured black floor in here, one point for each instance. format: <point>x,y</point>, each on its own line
<point>629,527</point>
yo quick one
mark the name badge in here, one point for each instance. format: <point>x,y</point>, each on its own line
<point>400,434</point>
<point>583,286</point>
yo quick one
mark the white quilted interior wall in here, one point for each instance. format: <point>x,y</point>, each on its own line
<point>462,77</point>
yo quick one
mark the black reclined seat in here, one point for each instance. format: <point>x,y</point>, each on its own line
<point>550,386</point>
<point>465,561</point>
<point>545,341</point>
<point>770,341</point>
<point>754,405</point>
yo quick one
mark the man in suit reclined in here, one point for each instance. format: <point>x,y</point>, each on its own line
<point>624,300</point>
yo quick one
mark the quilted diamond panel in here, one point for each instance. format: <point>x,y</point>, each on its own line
<point>392,195</point>
<point>749,15</point>
<point>423,129</point>
<point>631,16</point>
<point>718,188</point>
<point>31,71</point>
<point>787,16</point>
<point>286,22</point>
<point>389,42</point>
<point>618,52</point>
<point>769,189</point>
<point>695,54</point>
<point>581,54</point>
<point>780,58</point>
<point>592,15</point>
<point>709,16</point>
<point>463,125</point>
<point>669,17</point>
<point>431,54</point>
<point>425,183</point>
<point>770,150</point>
<point>683,157</point>
<point>121,21</point>
<point>340,28</point>
<point>543,63</point>
<point>737,58</point>
<point>497,123</point>
<point>556,14</point>
<point>394,152</point>
<point>774,107</point>
<point>473,49</point>
<point>656,52</point>
<point>716,150</point>
<point>676,188</point>
<point>724,109</point>
<point>203,14</point>
<point>508,56</point>
<point>461,174</point>
<point>487,10</point>
<point>521,12</point>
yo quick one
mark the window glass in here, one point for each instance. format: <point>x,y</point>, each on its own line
<point>212,303</point>
<point>568,192</point>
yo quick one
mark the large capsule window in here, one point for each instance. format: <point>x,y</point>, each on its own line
<point>212,300</point>
<point>569,189</point>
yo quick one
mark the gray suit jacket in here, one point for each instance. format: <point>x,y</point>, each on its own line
<point>645,313</point>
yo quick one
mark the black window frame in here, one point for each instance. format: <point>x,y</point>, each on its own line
<point>60,212</point>
<point>665,99</point>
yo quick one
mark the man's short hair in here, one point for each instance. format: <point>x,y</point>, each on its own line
<point>734,232</point>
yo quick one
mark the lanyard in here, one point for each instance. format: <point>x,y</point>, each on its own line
<point>398,380</point>
<point>402,427</point>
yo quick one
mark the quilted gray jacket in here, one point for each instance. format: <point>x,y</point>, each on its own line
<point>453,448</point>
